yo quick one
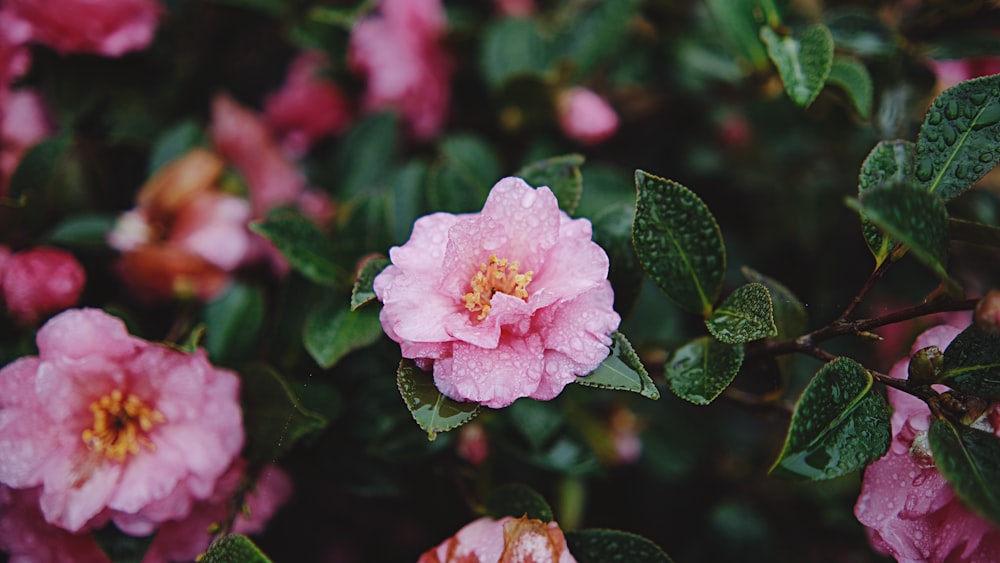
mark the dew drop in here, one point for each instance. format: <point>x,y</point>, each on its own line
<point>986,157</point>
<point>949,135</point>
<point>951,109</point>
<point>978,98</point>
<point>962,171</point>
<point>934,117</point>
<point>931,135</point>
<point>925,170</point>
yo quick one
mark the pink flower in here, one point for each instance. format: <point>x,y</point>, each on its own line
<point>105,27</point>
<point>910,510</point>
<point>113,426</point>
<point>509,302</point>
<point>399,51</point>
<point>23,123</point>
<point>473,444</point>
<point>185,236</point>
<point>308,107</point>
<point>585,116</point>
<point>41,281</point>
<point>508,540</point>
<point>27,538</point>
<point>951,72</point>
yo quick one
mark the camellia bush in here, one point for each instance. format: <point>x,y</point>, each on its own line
<point>511,280</point>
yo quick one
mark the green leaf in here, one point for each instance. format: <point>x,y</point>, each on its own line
<point>597,34</point>
<point>462,178</point>
<point>789,312</point>
<point>121,547</point>
<point>273,416</point>
<point>234,548</point>
<point>746,315</point>
<point>433,412</point>
<point>803,60</point>
<point>916,218</point>
<point>969,459</point>
<point>85,231</point>
<point>860,32</point>
<point>735,22</point>
<point>362,292</point>
<point>622,371</point>
<point>303,244</point>
<point>332,331</point>
<point>45,165</point>
<point>536,421</point>
<point>366,154</point>
<point>233,323</point>
<point>174,142</point>
<point>701,370</point>
<point>853,78</point>
<point>973,233</point>
<point>516,500</point>
<point>840,425</point>
<point>613,232</point>
<point>561,174</point>
<point>512,47</point>
<point>972,363</point>
<point>890,162</point>
<point>678,243</point>
<point>958,139</point>
<point>607,546</point>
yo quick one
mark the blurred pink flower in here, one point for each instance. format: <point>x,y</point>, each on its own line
<point>112,426</point>
<point>952,71</point>
<point>104,27</point>
<point>909,509</point>
<point>308,107</point>
<point>184,237</point>
<point>515,8</point>
<point>23,124</point>
<point>507,540</point>
<point>27,538</point>
<point>39,282</point>
<point>473,443</point>
<point>586,117</point>
<point>400,53</point>
<point>509,302</point>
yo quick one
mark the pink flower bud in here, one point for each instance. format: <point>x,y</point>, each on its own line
<point>987,314</point>
<point>109,27</point>
<point>585,116</point>
<point>40,282</point>
<point>473,446</point>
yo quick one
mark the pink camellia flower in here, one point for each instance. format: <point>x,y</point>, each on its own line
<point>111,426</point>
<point>400,53</point>
<point>910,511</point>
<point>27,538</point>
<point>308,107</point>
<point>952,71</point>
<point>23,123</point>
<point>508,539</point>
<point>104,27</point>
<point>509,302</point>
<point>185,236</point>
<point>41,281</point>
<point>586,117</point>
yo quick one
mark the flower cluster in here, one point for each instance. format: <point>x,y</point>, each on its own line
<point>508,539</point>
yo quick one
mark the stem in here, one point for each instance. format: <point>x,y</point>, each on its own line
<point>876,275</point>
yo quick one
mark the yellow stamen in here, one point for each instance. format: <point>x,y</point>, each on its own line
<point>496,276</point>
<point>120,426</point>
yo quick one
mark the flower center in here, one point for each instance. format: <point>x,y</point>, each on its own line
<point>120,426</point>
<point>496,276</point>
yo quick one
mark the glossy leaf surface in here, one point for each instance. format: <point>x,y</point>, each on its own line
<point>701,370</point>
<point>789,312</point>
<point>622,371</point>
<point>332,331</point>
<point>517,500</point>
<point>233,548</point>
<point>362,291</point>
<point>433,412</point>
<point>303,244</point>
<point>969,459</point>
<point>890,162</point>
<point>602,546</point>
<point>744,316</point>
<point>853,78</point>
<point>972,363</point>
<point>803,60</point>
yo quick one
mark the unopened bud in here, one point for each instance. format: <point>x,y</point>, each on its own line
<point>987,315</point>
<point>926,365</point>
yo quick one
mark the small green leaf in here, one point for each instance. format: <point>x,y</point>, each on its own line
<point>86,231</point>
<point>517,500</point>
<point>789,312</point>
<point>121,547</point>
<point>366,154</point>
<point>890,162</point>
<point>461,179</point>
<point>174,142</point>
<point>958,139</point>
<point>969,459</point>
<point>303,244</point>
<point>536,421</point>
<point>840,425</point>
<point>613,232</point>
<point>273,416</point>
<point>916,218</point>
<point>853,78</point>
<point>561,174</point>
<point>234,548</point>
<point>701,370</point>
<point>362,292</point>
<point>972,363</point>
<point>45,165</point>
<point>332,331</point>
<point>622,371</point>
<point>746,315</point>
<point>599,32</point>
<point>678,243</point>
<point>433,412</point>
<point>232,323</point>
<point>861,32</point>
<point>512,47</point>
<point>608,546</point>
<point>973,233</point>
<point>803,60</point>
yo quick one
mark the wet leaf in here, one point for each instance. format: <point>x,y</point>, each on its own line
<point>332,331</point>
<point>701,370</point>
<point>463,175</point>
<point>604,546</point>
<point>517,500</point>
<point>958,139</point>
<point>303,244</point>
<point>85,231</point>
<point>746,315</point>
<point>789,312</point>
<point>233,323</point>
<point>853,78</point>
<point>121,547</point>
<point>678,243</point>
<point>803,60</point>
<point>969,459</point>
<point>43,167</point>
<point>622,371</point>
<point>561,174</point>
<point>972,363</point>
<point>433,412</point>
<point>890,162</point>
<point>840,425</point>
<point>512,47</point>
<point>362,292</point>
<point>234,548</point>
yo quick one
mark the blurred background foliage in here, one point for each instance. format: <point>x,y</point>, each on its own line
<point>699,102</point>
